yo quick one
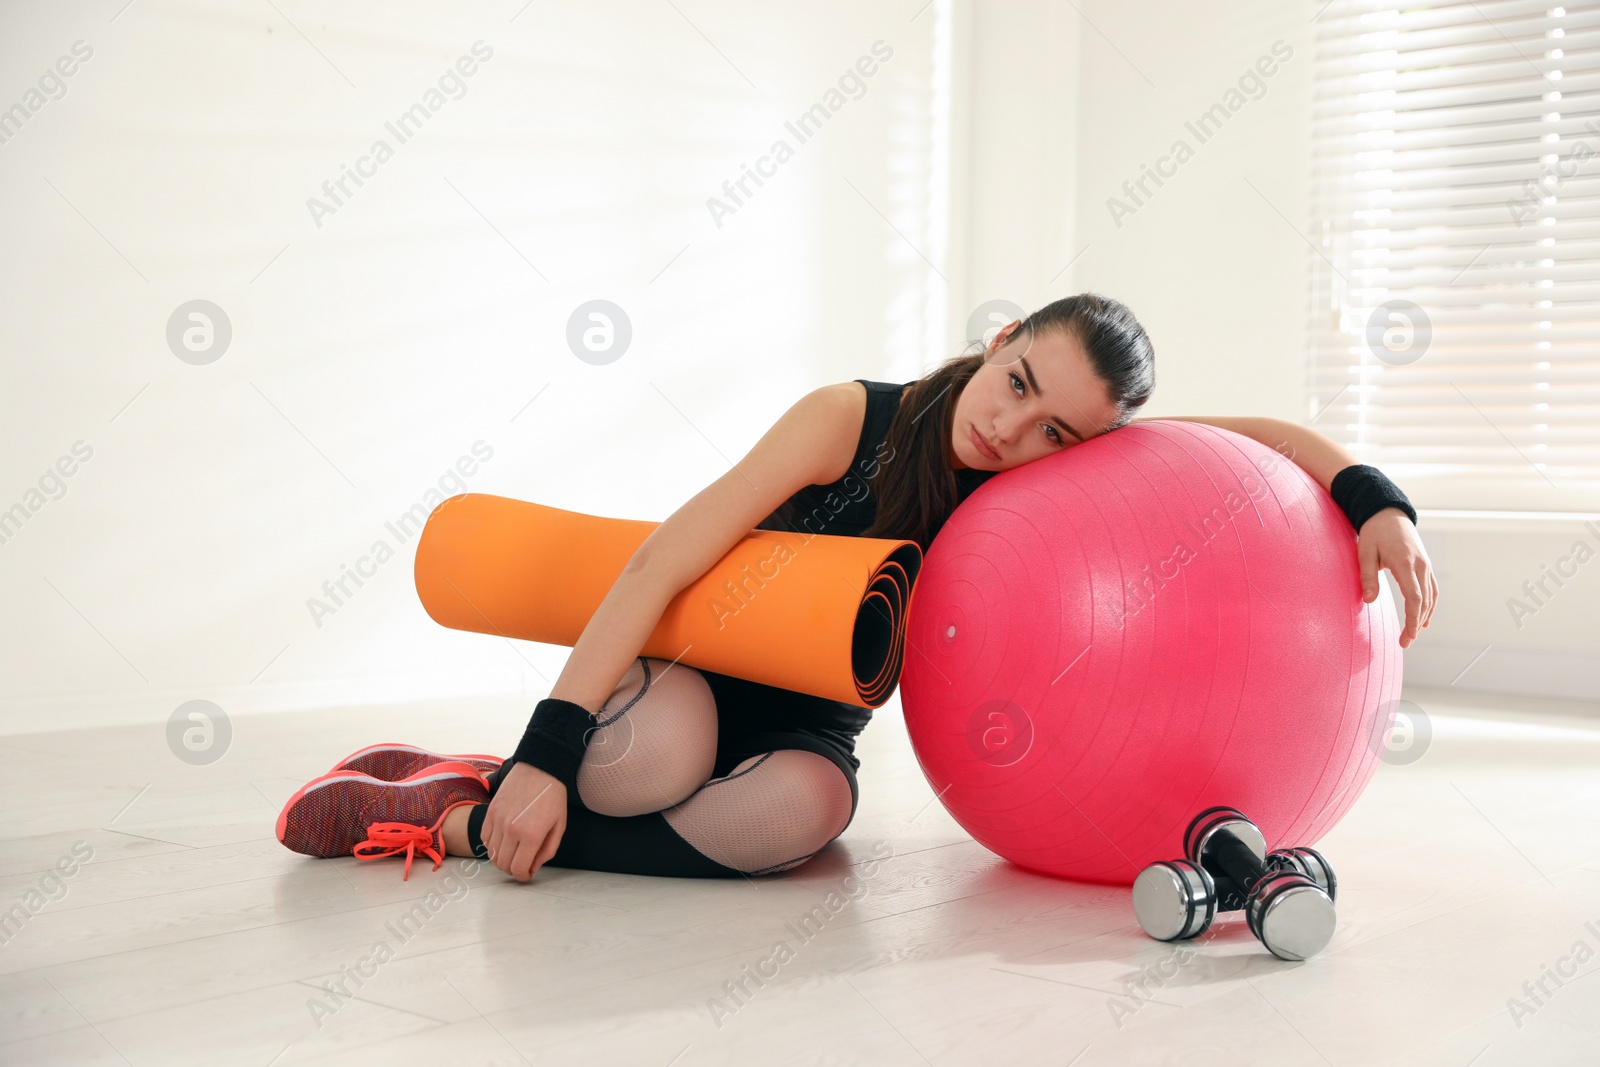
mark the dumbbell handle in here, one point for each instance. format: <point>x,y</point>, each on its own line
<point>1235,859</point>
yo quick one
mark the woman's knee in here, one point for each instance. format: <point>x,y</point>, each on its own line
<point>771,813</point>
<point>655,742</point>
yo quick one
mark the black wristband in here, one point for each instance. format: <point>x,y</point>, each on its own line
<point>1361,491</point>
<point>555,740</point>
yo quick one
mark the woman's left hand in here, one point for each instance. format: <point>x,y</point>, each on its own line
<point>1389,539</point>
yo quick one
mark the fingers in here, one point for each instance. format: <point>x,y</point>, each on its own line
<point>493,834</point>
<point>520,864</point>
<point>535,844</point>
<point>1422,568</point>
<point>1367,554</point>
<point>523,825</point>
<point>509,846</point>
<point>1427,586</point>
<point>526,843</point>
<point>502,836</point>
<point>552,843</point>
<point>1411,586</point>
<point>536,850</point>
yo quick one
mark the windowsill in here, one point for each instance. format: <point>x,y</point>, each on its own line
<point>1515,521</point>
<point>1510,491</point>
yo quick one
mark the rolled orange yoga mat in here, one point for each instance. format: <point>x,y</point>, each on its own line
<point>815,613</point>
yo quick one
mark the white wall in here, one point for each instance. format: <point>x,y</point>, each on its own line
<point>1017,125</point>
<point>428,313</point>
<point>422,319</point>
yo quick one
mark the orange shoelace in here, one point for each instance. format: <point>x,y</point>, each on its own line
<point>393,838</point>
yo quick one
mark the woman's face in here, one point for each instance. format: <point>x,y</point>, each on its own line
<point>1032,397</point>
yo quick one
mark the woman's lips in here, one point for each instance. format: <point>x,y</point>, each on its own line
<point>980,444</point>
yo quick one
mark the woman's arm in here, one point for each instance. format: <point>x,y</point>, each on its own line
<point>1315,454</point>
<point>1387,539</point>
<point>815,439</point>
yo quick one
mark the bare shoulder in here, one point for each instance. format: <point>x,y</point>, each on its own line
<point>841,408</point>
<point>813,442</point>
<point>847,401</point>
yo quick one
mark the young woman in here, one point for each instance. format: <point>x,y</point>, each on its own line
<point>638,765</point>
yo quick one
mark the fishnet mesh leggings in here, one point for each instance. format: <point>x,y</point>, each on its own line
<point>654,751</point>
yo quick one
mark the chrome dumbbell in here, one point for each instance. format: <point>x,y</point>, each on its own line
<point>1309,862</point>
<point>1287,895</point>
<point>1231,894</point>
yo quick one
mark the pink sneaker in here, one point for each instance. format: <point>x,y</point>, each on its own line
<point>393,762</point>
<point>347,813</point>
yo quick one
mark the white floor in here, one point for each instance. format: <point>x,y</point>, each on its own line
<point>192,936</point>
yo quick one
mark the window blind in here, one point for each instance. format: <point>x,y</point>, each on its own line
<point>1455,328</point>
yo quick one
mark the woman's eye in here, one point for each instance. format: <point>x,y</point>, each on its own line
<point>1055,434</point>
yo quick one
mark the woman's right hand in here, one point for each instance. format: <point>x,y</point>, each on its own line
<point>527,816</point>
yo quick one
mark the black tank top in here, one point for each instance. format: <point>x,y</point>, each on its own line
<point>845,507</point>
<point>848,506</point>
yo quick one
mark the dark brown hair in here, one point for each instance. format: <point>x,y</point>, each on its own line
<point>916,488</point>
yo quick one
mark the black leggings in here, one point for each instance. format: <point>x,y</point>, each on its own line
<point>695,774</point>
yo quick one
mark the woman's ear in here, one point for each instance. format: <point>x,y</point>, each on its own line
<point>1002,335</point>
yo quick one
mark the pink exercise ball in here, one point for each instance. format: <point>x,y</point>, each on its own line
<point>1104,642</point>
